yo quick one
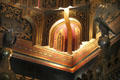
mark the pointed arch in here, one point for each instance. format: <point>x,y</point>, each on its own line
<point>58,34</point>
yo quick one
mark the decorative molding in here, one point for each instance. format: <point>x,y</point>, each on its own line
<point>22,77</point>
<point>42,52</point>
<point>56,59</point>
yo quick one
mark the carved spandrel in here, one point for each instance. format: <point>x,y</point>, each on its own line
<point>82,17</point>
<point>50,18</point>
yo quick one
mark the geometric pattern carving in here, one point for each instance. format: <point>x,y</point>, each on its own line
<point>10,11</point>
<point>11,18</point>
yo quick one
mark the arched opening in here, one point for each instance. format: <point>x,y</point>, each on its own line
<point>58,36</point>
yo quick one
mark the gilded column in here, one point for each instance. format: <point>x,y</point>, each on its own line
<point>69,30</point>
